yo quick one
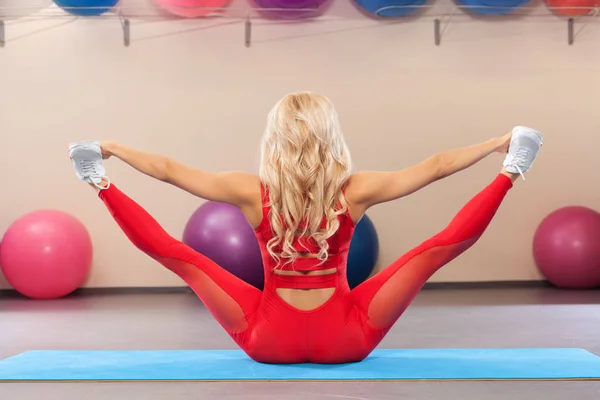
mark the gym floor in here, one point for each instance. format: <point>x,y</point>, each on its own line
<point>518,317</point>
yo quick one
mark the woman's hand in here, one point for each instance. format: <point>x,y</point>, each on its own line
<point>106,148</point>
<point>504,143</point>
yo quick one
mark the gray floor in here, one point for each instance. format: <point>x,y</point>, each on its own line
<point>541,317</point>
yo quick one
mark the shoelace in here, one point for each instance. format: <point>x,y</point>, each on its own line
<point>519,159</point>
<point>88,167</point>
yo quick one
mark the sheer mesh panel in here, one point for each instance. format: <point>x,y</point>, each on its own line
<point>385,296</point>
<point>228,298</point>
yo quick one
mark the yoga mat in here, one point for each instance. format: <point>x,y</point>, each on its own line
<point>234,365</point>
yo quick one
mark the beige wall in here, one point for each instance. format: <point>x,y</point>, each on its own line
<point>201,96</point>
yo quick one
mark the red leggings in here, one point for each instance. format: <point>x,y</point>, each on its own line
<point>344,329</point>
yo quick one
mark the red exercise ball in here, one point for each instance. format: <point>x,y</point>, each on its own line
<point>46,254</point>
<point>566,248</point>
<point>560,6</point>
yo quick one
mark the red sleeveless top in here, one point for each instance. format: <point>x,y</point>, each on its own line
<point>339,244</point>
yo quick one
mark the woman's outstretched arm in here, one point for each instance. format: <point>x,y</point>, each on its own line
<point>238,188</point>
<point>368,188</point>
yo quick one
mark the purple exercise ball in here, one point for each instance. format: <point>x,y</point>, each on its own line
<point>290,9</point>
<point>566,248</point>
<point>221,232</point>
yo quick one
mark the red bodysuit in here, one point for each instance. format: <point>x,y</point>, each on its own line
<point>348,326</point>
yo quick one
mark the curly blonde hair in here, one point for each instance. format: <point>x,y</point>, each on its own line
<point>305,163</point>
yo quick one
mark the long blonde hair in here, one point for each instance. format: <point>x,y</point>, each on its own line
<point>305,163</point>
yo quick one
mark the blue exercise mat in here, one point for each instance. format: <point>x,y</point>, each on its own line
<point>234,365</point>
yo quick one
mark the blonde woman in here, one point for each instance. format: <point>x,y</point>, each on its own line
<point>303,207</point>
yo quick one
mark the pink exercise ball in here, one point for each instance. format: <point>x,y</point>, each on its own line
<point>46,254</point>
<point>566,248</point>
<point>192,8</point>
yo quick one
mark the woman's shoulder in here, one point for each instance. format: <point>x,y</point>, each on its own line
<point>355,191</point>
<point>243,180</point>
<point>247,186</point>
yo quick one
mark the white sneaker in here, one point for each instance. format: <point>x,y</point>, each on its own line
<point>524,147</point>
<point>87,160</point>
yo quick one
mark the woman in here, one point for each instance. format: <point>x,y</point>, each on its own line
<point>303,207</point>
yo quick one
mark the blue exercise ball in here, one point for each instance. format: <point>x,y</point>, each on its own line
<point>86,8</point>
<point>390,8</point>
<point>363,254</point>
<point>492,7</point>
